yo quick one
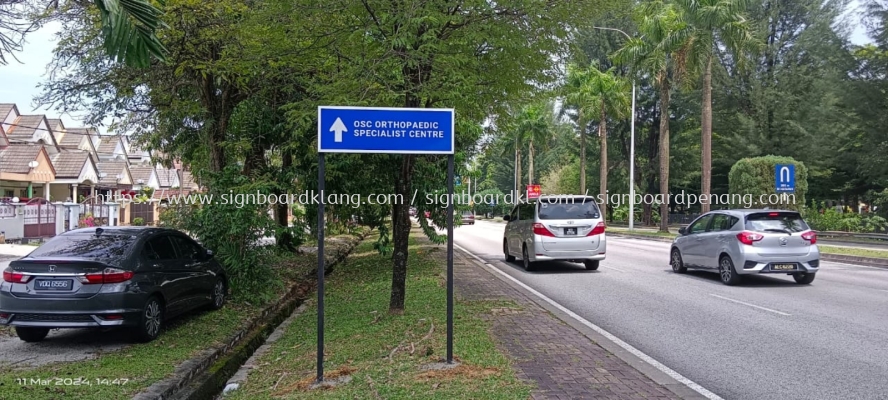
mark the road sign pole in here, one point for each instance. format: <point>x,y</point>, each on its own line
<point>450,260</point>
<point>321,268</point>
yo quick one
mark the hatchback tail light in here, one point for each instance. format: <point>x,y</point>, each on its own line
<point>597,230</point>
<point>810,236</point>
<point>109,275</point>
<point>540,229</point>
<point>15,277</point>
<point>748,238</point>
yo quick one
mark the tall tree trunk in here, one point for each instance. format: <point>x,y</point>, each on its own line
<point>602,137</point>
<point>515,173</point>
<point>664,153</point>
<point>530,162</point>
<point>707,136</point>
<point>401,235</point>
<point>582,152</point>
<point>519,175</point>
<point>284,240</point>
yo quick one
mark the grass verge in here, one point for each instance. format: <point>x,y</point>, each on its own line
<point>122,374</point>
<point>384,354</point>
<point>825,249</point>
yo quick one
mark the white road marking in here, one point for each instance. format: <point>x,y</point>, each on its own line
<point>750,305</point>
<point>614,268</point>
<point>656,364</point>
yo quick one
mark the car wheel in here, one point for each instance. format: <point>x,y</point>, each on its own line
<point>31,335</point>
<point>509,257</point>
<point>803,278</point>
<point>676,262</point>
<point>528,266</point>
<point>219,294</point>
<point>591,265</point>
<point>150,322</point>
<point>727,272</point>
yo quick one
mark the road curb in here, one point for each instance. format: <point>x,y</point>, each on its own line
<point>204,376</point>
<point>865,261</point>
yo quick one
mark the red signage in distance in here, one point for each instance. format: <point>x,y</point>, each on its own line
<point>533,192</point>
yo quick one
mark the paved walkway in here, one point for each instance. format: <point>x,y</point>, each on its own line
<point>563,362</point>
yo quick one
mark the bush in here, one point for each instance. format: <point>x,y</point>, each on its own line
<point>756,176</point>
<point>823,218</point>
<point>233,232</point>
<point>138,221</point>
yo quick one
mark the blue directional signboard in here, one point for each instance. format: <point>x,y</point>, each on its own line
<point>784,176</point>
<point>385,130</point>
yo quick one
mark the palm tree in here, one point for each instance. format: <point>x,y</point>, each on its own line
<point>603,93</point>
<point>128,30</point>
<point>646,55</point>
<point>579,96</point>
<point>533,126</point>
<point>512,144</point>
<point>703,26</point>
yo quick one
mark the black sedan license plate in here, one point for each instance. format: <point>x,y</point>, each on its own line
<point>53,284</point>
<point>783,267</point>
<point>570,231</point>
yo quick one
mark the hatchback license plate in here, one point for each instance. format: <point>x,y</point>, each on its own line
<point>53,284</point>
<point>783,267</point>
<point>570,231</point>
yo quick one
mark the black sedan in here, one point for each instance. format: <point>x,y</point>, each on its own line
<point>134,277</point>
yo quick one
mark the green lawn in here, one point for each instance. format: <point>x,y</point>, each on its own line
<point>846,251</point>
<point>138,366</point>
<point>383,354</point>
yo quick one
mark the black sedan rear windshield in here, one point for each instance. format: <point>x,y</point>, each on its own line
<point>579,208</point>
<point>776,221</point>
<point>105,246</point>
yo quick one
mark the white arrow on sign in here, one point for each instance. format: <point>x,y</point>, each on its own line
<point>338,127</point>
<point>782,170</point>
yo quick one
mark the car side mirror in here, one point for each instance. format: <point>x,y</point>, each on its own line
<point>682,231</point>
<point>506,217</point>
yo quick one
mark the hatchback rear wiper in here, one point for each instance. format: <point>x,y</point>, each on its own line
<point>787,231</point>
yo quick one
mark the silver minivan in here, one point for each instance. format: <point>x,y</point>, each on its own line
<point>566,228</point>
<point>746,242</point>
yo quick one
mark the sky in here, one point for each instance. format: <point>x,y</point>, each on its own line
<point>20,80</point>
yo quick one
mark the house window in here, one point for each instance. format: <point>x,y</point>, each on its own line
<point>8,193</point>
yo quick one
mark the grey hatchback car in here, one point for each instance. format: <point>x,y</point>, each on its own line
<point>134,277</point>
<point>745,242</point>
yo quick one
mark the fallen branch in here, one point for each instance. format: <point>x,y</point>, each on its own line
<point>273,388</point>
<point>428,335</point>
<point>392,354</point>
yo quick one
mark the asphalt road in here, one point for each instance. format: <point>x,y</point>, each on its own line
<point>768,338</point>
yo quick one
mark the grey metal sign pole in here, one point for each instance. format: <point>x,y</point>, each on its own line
<point>321,268</point>
<point>450,260</point>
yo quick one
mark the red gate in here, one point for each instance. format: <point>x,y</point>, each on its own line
<point>40,219</point>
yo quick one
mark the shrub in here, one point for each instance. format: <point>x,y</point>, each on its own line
<point>753,177</point>
<point>138,221</point>
<point>823,218</point>
<point>233,232</point>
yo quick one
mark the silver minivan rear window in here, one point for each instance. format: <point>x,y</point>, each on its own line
<point>570,208</point>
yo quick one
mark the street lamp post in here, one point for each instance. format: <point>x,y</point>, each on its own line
<point>631,145</point>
